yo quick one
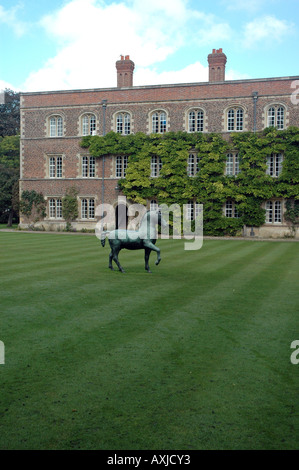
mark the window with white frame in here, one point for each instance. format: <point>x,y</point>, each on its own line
<point>232,164</point>
<point>276,116</point>
<point>159,122</point>
<point>55,126</point>
<point>89,124</point>
<point>156,166</point>
<point>193,210</point>
<point>55,208</point>
<point>87,208</point>
<point>231,209</point>
<point>121,166</point>
<point>88,166</point>
<point>154,205</point>
<point>235,119</point>
<point>123,123</point>
<point>193,164</point>
<point>274,164</point>
<point>196,120</point>
<point>273,212</point>
<point>55,166</point>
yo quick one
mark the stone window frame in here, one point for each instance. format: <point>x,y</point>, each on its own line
<point>193,164</point>
<point>121,164</point>
<point>276,106</point>
<point>123,113</point>
<point>274,164</point>
<point>48,126</point>
<point>156,166</point>
<point>159,112</point>
<point>87,204</point>
<point>196,109</point>
<point>235,107</point>
<point>230,209</point>
<point>233,164</point>
<point>57,208</point>
<point>48,158</point>
<point>90,168</point>
<point>93,127</point>
<point>274,216</point>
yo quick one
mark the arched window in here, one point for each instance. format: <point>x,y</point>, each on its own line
<point>232,164</point>
<point>156,166</point>
<point>89,124</point>
<point>123,123</point>
<point>55,126</point>
<point>154,205</point>
<point>276,116</point>
<point>196,120</point>
<point>159,122</point>
<point>235,119</point>
<point>193,164</point>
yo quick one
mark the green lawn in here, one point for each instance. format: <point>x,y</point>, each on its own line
<point>195,355</point>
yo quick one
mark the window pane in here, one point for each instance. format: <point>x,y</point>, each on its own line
<point>52,207</point>
<point>231,120</point>
<point>239,124</point>
<point>269,215</point>
<point>59,167</point>
<point>154,166</point>
<point>271,117</point>
<point>228,209</point>
<point>277,211</point>
<point>91,209</point>
<point>162,122</point>
<point>52,167</point>
<point>52,127</point>
<point>127,124</point>
<point>119,124</point>
<point>191,121</point>
<point>59,127</point>
<point>84,209</point>
<point>59,208</point>
<point>92,167</point>
<point>280,118</point>
<point>199,121</point>
<point>119,167</point>
<point>155,123</point>
<point>229,164</point>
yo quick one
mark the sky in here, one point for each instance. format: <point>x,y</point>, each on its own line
<point>74,44</point>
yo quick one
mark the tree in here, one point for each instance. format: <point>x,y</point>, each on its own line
<point>70,207</point>
<point>9,176</point>
<point>10,113</point>
<point>9,184</point>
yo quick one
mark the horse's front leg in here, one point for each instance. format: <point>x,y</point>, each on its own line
<point>147,252</point>
<point>151,246</point>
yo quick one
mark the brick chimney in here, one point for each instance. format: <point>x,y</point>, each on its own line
<point>125,68</point>
<point>217,61</point>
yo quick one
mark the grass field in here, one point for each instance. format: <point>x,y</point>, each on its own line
<point>195,355</point>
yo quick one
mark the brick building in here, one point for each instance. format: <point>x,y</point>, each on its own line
<point>53,123</point>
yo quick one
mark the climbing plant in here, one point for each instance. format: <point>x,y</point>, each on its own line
<point>32,200</point>
<point>210,186</point>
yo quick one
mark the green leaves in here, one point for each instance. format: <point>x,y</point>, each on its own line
<point>210,186</point>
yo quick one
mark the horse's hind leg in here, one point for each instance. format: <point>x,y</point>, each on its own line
<point>115,259</point>
<point>147,252</point>
<point>110,260</point>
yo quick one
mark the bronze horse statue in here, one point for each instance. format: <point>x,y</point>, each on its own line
<point>144,238</point>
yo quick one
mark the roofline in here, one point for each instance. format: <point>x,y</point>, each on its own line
<point>140,87</point>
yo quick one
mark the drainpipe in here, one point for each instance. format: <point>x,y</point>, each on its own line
<point>255,98</point>
<point>104,105</point>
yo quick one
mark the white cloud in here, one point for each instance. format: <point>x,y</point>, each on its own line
<point>267,29</point>
<point>9,18</point>
<point>249,6</point>
<point>91,35</point>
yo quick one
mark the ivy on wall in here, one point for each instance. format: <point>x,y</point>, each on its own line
<point>210,187</point>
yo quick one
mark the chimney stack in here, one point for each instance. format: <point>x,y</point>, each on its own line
<point>125,68</point>
<point>217,61</point>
